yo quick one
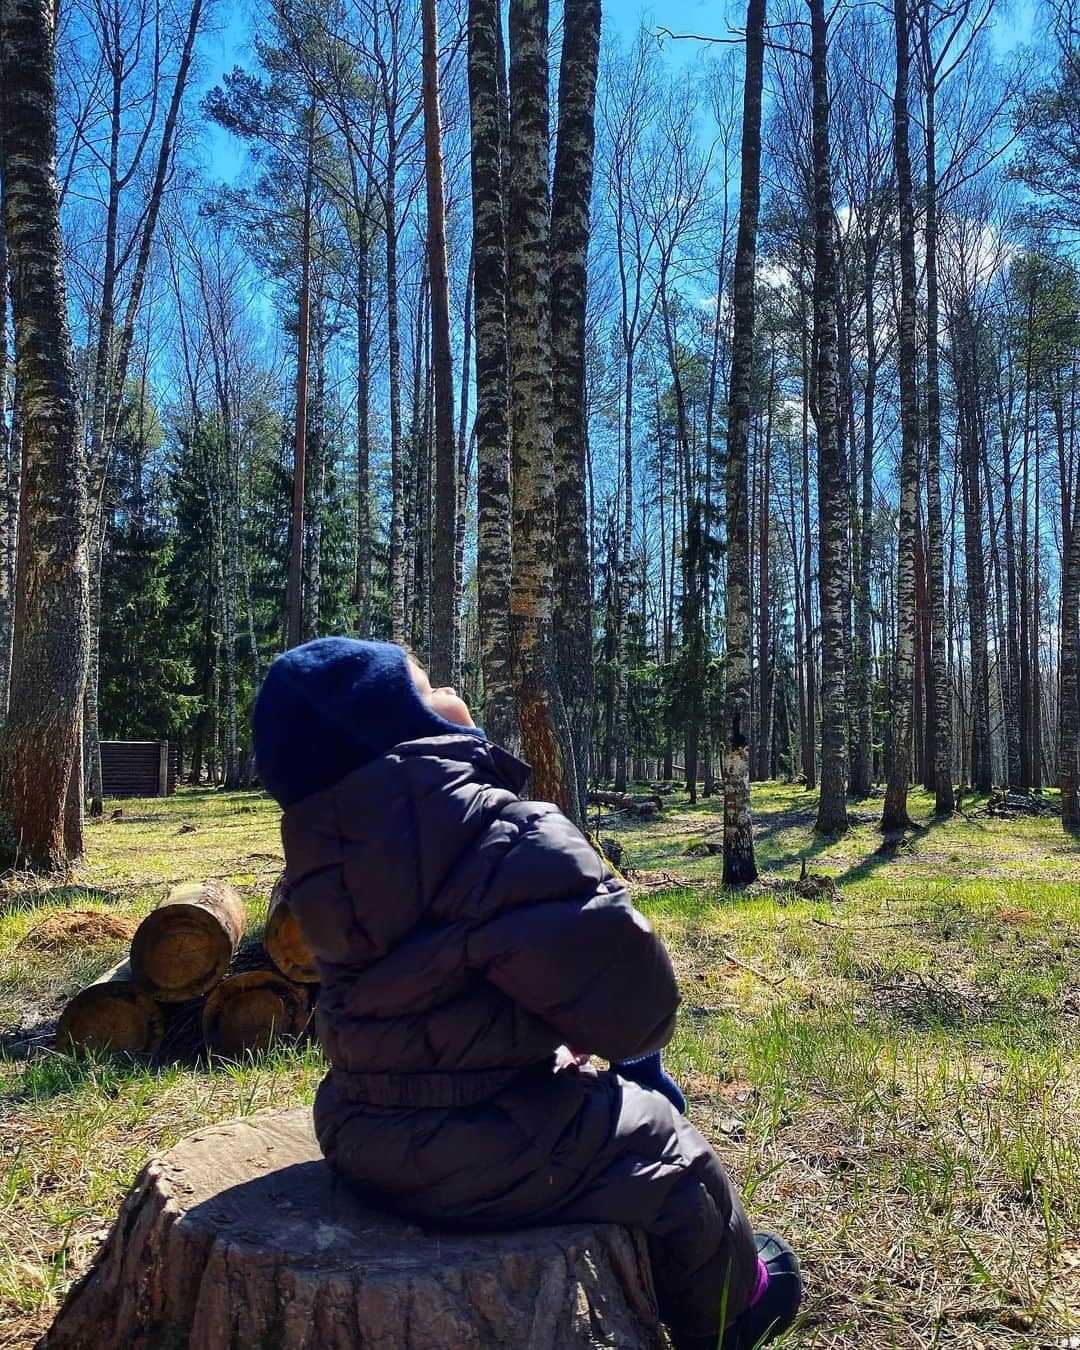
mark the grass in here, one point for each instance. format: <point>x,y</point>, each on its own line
<point>891,1073</point>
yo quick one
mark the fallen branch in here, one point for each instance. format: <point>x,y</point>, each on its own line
<point>753,970</point>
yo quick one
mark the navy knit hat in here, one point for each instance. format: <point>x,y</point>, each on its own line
<point>332,706</point>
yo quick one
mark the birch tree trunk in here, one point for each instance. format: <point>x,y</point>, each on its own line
<point>833,552</point>
<point>935,580</point>
<point>862,756</point>
<point>545,734</point>
<point>40,736</point>
<point>895,815</point>
<point>571,197</point>
<point>294,605</point>
<point>363,430</point>
<point>444,592</point>
<point>740,865</point>
<point>489,149</point>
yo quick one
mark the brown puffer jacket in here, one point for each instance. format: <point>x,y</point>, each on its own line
<point>462,936</point>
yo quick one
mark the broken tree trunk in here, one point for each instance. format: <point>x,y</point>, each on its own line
<point>183,948</point>
<point>249,1010</point>
<point>284,940</point>
<point>241,1237</point>
<point>113,1014</point>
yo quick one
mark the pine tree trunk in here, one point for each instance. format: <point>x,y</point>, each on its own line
<point>545,734</point>
<point>316,456</point>
<point>1070,672</point>
<point>764,739</point>
<point>9,479</point>
<point>740,865</point>
<point>621,728</point>
<point>571,194</point>
<point>895,815</point>
<point>51,631</point>
<point>489,148</point>
<point>834,554</point>
<point>443,592</point>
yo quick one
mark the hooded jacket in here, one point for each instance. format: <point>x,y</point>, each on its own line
<point>463,934</point>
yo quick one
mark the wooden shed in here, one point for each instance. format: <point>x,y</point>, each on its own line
<point>139,768</point>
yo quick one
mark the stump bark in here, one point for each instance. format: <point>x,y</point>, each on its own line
<point>112,1014</point>
<point>284,939</point>
<point>249,1010</point>
<point>241,1237</point>
<point>183,948</point>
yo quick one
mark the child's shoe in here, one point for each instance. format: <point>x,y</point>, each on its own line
<point>776,1300</point>
<point>649,1072</point>
<point>772,1309</point>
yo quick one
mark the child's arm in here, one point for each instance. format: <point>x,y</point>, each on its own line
<point>566,944</point>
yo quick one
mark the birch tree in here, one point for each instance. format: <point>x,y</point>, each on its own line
<point>40,738</point>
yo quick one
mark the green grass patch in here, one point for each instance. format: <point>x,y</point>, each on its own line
<point>890,1068</point>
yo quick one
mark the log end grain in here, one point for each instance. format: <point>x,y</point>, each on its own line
<point>183,948</point>
<point>284,939</point>
<point>112,1015</point>
<point>242,1237</point>
<point>248,1011</point>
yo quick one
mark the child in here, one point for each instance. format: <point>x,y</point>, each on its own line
<point>465,938</point>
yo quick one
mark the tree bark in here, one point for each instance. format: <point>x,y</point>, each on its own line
<point>571,196</point>
<point>545,734</point>
<point>895,815</point>
<point>51,631</point>
<point>444,594</point>
<point>935,558</point>
<point>740,865</point>
<point>1070,672</point>
<point>294,604</point>
<point>241,1236</point>
<point>489,148</point>
<point>833,551</point>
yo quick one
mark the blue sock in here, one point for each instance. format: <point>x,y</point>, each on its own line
<point>649,1072</point>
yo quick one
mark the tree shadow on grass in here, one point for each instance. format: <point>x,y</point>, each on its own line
<point>24,891</point>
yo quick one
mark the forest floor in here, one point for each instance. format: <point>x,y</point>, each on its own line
<point>890,1068</point>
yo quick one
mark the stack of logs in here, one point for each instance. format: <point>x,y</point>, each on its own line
<point>192,983</point>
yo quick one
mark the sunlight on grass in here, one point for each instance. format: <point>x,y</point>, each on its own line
<point>890,1071</point>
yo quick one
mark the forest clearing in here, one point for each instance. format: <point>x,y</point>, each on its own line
<point>892,1072</point>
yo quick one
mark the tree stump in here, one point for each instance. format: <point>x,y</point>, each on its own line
<point>112,1014</point>
<point>183,948</point>
<point>241,1238</point>
<point>284,939</point>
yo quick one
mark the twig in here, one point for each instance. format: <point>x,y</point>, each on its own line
<point>753,970</point>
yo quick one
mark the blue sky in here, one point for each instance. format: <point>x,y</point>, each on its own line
<point>230,45</point>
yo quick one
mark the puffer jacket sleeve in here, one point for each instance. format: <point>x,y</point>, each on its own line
<point>567,945</point>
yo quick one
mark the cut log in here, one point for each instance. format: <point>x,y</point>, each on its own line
<point>637,804</point>
<point>249,1010</point>
<point>183,948</point>
<point>284,939</point>
<point>241,1238</point>
<point>112,1014</point>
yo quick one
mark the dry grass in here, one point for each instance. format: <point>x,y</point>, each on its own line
<point>892,1072</point>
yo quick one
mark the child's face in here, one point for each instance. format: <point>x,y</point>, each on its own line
<point>443,701</point>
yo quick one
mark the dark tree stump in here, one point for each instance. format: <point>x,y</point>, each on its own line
<point>241,1237</point>
<point>284,940</point>
<point>183,948</point>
